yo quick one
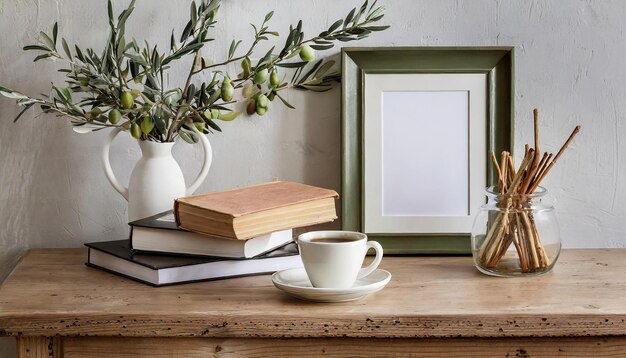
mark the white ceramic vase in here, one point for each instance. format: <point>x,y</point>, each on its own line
<point>156,179</point>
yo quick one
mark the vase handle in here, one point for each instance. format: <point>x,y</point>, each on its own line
<point>206,165</point>
<point>107,164</point>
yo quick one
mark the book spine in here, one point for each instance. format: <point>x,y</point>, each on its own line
<point>131,237</point>
<point>176,218</point>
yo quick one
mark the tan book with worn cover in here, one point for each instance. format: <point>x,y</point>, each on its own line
<point>256,210</point>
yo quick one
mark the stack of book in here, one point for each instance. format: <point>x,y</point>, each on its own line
<point>240,232</point>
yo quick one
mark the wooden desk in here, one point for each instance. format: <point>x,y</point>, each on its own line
<point>56,306</point>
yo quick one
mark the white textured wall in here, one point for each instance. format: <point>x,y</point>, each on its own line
<point>569,63</point>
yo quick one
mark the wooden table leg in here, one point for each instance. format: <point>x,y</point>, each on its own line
<point>39,347</point>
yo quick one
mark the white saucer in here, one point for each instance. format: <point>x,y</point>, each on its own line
<point>296,283</point>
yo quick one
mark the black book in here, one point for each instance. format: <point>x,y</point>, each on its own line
<point>158,270</point>
<point>159,233</point>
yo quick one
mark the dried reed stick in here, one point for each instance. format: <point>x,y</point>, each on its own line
<point>558,155</point>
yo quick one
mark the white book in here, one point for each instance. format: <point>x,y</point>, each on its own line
<point>159,233</point>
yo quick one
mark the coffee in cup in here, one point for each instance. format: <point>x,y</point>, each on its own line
<point>333,259</point>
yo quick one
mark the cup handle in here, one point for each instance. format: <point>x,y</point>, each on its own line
<point>374,265</point>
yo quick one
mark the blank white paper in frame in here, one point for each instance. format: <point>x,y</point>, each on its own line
<point>424,153</point>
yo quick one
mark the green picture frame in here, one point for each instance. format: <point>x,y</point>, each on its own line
<point>495,62</point>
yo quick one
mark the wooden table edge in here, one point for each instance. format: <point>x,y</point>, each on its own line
<point>358,326</point>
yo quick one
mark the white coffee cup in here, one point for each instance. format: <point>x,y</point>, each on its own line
<point>333,259</point>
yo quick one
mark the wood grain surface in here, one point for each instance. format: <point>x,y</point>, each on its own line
<point>51,293</point>
<point>39,347</point>
<point>91,347</point>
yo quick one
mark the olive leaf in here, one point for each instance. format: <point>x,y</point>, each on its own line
<point>188,136</point>
<point>233,48</point>
<point>285,101</point>
<point>8,93</point>
<point>228,116</point>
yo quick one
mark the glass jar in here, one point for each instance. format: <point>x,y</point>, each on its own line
<point>515,234</point>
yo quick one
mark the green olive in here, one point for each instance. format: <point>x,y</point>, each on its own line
<point>248,90</point>
<point>261,104</point>
<point>262,101</point>
<point>260,110</point>
<point>135,93</point>
<point>245,65</point>
<point>147,124</point>
<point>93,114</point>
<point>215,113</point>
<point>114,116</point>
<point>274,79</point>
<point>127,100</point>
<point>135,131</point>
<point>260,77</point>
<point>307,53</point>
<point>228,91</point>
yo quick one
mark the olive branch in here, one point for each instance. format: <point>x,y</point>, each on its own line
<point>124,85</point>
